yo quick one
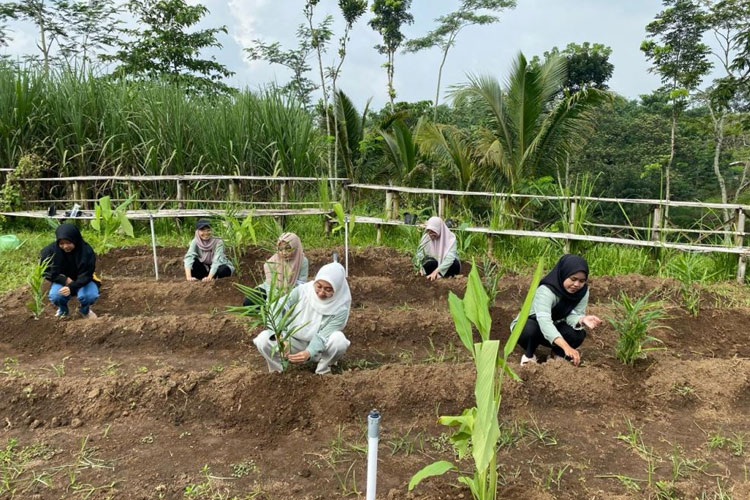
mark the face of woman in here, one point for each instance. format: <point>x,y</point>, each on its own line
<point>285,249</point>
<point>323,289</point>
<point>66,245</point>
<point>432,234</point>
<point>575,282</point>
<point>205,233</point>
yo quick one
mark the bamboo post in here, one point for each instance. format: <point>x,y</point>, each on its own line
<point>234,191</point>
<point>441,206</point>
<point>394,209</point>
<point>656,224</point>
<point>180,195</point>
<point>571,224</point>
<point>389,205</point>
<point>284,193</point>
<point>738,242</point>
<point>490,245</point>
<point>76,191</point>
<point>378,234</point>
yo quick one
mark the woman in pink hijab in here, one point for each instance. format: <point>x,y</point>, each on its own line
<point>438,251</point>
<point>286,268</point>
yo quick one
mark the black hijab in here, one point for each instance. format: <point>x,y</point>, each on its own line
<point>568,265</point>
<point>78,265</point>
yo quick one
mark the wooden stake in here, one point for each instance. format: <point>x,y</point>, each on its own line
<point>441,206</point>
<point>389,205</point>
<point>379,233</point>
<point>739,242</point>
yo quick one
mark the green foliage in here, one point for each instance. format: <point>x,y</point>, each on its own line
<point>14,191</point>
<point>275,313</point>
<point>401,152</point>
<point>588,65</point>
<point>341,220</point>
<point>350,129</point>
<point>692,270</point>
<point>389,16</point>
<point>35,280</point>
<point>633,320</point>
<point>237,235</point>
<point>108,221</point>
<point>165,49</point>
<point>478,429</point>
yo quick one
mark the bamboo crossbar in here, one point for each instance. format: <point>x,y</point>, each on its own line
<point>568,236</point>
<point>146,214</point>
<point>638,201</point>
<point>667,229</point>
<point>156,178</point>
<point>174,200</point>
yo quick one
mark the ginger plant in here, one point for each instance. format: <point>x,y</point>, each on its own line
<point>478,429</point>
<point>35,280</point>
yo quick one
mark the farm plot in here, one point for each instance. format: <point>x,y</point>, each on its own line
<point>164,396</point>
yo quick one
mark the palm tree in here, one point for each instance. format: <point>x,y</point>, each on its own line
<point>401,150</point>
<point>451,147</point>
<point>351,130</point>
<point>531,129</point>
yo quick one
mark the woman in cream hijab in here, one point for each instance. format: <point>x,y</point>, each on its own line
<point>322,310</point>
<point>437,251</point>
<point>286,268</point>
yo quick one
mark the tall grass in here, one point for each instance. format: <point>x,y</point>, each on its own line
<point>83,125</point>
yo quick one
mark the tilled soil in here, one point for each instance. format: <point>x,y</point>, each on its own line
<point>164,396</point>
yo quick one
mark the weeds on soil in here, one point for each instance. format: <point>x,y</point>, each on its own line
<point>633,321</point>
<point>478,428</point>
<point>35,281</point>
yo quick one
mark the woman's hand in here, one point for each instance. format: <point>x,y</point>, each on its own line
<point>208,278</point>
<point>299,357</point>
<point>590,321</point>
<point>573,354</point>
<point>190,278</point>
<point>434,275</point>
<point>64,291</point>
<point>68,281</point>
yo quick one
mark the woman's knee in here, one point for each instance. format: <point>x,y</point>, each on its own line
<point>338,342</point>
<point>88,294</point>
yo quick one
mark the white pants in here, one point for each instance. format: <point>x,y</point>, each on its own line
<point>334,349</point>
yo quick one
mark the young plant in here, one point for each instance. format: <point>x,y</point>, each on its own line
<point>275,313</point>
<point>107,222</point>
<point>237,235</point>
<point>35,280</point>
<point>341,220</point>
<point>478,428</point>
<point>633,321</point>
<point>490,278</point>
<point>692,270</point>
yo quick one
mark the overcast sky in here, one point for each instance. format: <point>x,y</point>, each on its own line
<point>532,27</point>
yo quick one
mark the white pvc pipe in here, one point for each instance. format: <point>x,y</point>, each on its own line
<point>346,244</point>
<point>153,246</point>
<point>373,436</point>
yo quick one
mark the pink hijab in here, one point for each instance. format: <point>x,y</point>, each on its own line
<point>439,247</point>
<point>206,248</point>
<point>286,269</point>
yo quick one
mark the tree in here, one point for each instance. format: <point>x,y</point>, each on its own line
<point>588,65</point>
<point>165,49</point>
<point>5,13</point>
<point>680,58</point>
<point>390,16</point>
<point>730,23</point>
<point>93,26</point>
<point>46,15</point>
<point>450,25</point>
<point>295,59</point>
<point>349,127</point>
<point>530,129</point>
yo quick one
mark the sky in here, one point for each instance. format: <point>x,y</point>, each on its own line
<point>533,27</point>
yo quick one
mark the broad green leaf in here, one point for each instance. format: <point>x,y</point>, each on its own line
<point>122,208</point>
<point>471,482</point>
<point>125,225</point>
<point>463,326</point>
<point>486,428</point>
<point>434,469</point>
<point>476,304</point>
<point>96,221</point>
<point>106,204</point>
<point>467,419</point>
<point>508,370</point>
<point>339,210</point>
<point>510,344</point>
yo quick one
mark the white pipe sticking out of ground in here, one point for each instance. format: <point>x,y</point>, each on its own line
<point>153,246</point>
<point>346,245</point>
<point>373,436</point>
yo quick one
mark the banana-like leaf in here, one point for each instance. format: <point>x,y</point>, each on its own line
<point>96,221</point>
<point>434,469</point>
<point>510,344</point>
<point>476,304</point>
<point>463,326</point>
<point>473,485</point>
<point>125,225</point>
<point>486,429</point>
<point>106,207</point>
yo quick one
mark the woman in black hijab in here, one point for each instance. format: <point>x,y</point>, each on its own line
<point>558,312</point>
<point>71,271</point>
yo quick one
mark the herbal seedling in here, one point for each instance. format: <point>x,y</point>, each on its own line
<point>633,321</point>
<point>36,281</point>
<point>108,221</point>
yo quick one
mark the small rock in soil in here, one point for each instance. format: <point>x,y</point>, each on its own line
<point>35,424</point>
<point>55,422</point>
<point>76,423</point>
<point>94,393</point>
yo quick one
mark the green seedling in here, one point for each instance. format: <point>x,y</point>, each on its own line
<point>554,476</point>
<point>108,221</point>
<point>478,428</point>
<point>35,280</point>
<point>633,321</point>
<point>238,235</point>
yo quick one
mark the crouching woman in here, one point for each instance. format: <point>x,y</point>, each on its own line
<point>558,312</point>
<point>70,268</point>
<point>321,310</point>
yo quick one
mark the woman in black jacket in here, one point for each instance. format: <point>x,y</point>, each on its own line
<point>70,268</point>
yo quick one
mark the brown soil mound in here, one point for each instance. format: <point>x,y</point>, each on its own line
<point>164,396</point>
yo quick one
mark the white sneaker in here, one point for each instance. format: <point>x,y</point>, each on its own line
<point>525,360</point>
<point>90,315</point>
<point>61,313</point>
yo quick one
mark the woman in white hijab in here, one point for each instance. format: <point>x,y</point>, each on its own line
<point>322,309</point>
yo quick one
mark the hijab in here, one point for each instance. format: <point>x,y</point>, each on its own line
<point>286,270</point>
<point>206,248</point>
<point>567,266</point>
<point>440,246</point>
<point>78,263</point>
<point>310,309</point>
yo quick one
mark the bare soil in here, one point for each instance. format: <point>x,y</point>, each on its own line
<point>164,396</point>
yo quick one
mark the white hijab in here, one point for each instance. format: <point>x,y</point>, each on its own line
<point>310,309</point>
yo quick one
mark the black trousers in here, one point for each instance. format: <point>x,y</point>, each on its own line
<point>261,297</point>
<point>429,265</point>
<point>531,337</point>
<point>200,271</point>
